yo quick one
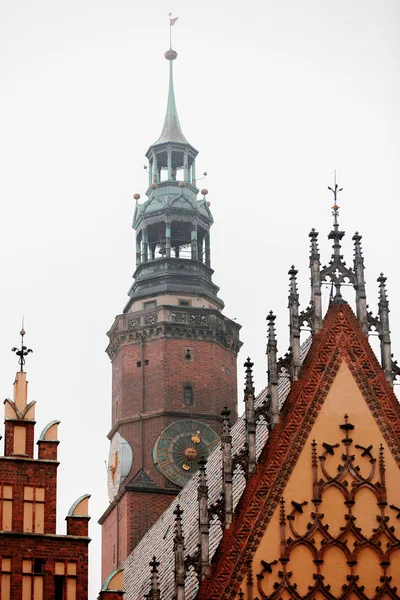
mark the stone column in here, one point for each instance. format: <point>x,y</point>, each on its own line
<point>194,241</point>
<point>145,245</point>
<point>169,164</point>
<point>185,167</point>
<point>138,249</point>
<point>194,172</point>
<point>155,170</point>
<point>208,252</point>
<point>167,240</point>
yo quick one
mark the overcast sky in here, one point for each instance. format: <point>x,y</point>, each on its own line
<point>275,95</point>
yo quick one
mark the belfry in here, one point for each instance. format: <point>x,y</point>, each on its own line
<point>173,351</point>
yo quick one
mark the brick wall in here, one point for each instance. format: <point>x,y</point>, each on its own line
<point>21,472</point>
<point>52,549</point>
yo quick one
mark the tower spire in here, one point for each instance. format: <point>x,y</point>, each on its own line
<point>171,130</point>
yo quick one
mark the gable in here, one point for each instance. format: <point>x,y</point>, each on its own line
<point>339,353</point>
<point>316,557</point>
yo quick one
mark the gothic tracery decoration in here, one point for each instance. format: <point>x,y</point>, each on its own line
<point>351,541</point>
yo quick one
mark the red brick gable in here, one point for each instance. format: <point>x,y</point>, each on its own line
<point>340,338</point>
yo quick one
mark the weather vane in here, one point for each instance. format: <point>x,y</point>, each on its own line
<point>23,351</point>
<point>172,22</point>
<point>335,190</point>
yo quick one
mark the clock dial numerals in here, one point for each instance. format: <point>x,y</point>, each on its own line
<point>179,448</point>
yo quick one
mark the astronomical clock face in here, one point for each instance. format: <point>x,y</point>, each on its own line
<point>179,448</point>
<point>119,464</point>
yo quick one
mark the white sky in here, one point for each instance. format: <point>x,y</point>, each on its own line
<point>275,95</point>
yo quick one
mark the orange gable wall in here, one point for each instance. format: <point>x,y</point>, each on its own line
<point>343,397</point>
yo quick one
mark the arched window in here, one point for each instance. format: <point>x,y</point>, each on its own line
<point>188,395</point>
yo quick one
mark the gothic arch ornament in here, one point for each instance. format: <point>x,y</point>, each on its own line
<point>351,539</point>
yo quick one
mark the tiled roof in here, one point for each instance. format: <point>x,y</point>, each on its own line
<point>159,540</point>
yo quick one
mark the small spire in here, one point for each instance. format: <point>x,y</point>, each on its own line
<point>384,336</point>
<point>204,521</point>
<point>179,555</point>
<point>315,269</point>
<point>314,250</point>
<point>294,323</point>
<point>171,131</point>
<point>250,420</point>
<point>154,585</point>
<point>361,297</point>
<point>249,387</point>
<point>227,467</point>
<point>272,369</point>
<point>23,351</point>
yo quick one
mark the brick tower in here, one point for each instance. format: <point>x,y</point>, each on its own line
<point>173,352</point>
<point>35,562</point>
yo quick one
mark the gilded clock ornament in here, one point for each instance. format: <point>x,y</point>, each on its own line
<point>179,448</point>
<point>119,464</point>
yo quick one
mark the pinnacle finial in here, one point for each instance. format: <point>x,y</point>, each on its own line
<point>249,387</point>
<point>382,288</point>
<point>358,257</point>
<point>23,350</point>
<point>293,292</point>
<point>271,326</point>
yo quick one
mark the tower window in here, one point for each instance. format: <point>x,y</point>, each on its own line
<point>188,395</point>
<point>150,304</point>
<point>184,303</point>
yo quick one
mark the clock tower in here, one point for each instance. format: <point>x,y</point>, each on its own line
<point>173,351</point>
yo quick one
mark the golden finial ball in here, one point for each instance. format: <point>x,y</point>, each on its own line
<point>136,196</point>
<point>208,204</point>
<point>204,191</point>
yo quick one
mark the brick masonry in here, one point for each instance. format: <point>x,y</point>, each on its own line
<point>18,539</point>
<point>149,373</point>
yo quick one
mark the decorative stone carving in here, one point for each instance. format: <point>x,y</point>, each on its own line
<point>179,317</point>
<point>198,319</point>
<point>151,319</point>
<point>133,322</point>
